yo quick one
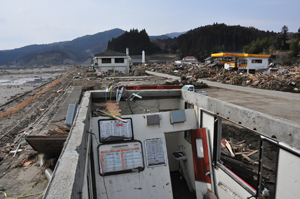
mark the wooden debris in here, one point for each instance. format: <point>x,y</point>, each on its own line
<point>247,158</point>
<point>8,146</point>
<point>225,144</point>
<point>61,127</point>
<point>57,131</point>
<point>113,116</point>
<point>240,142</point>
<point>252,153</point>
<point>17,150</point>
<point>113,108</point>
<point>26,164</point>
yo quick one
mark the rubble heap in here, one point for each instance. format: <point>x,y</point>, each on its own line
<point>282,79</point>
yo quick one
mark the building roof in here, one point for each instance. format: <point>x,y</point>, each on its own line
<point>238,55</point>
<point>189,57</point>
<point>109,53</point>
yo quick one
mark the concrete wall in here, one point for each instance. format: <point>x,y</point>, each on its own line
<point>68,176</point>
<point>288,181</point>
<point>152,105</point>
<point>284,130</point>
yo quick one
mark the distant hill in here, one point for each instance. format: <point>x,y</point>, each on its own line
<point>203,41</point>
<point>135,40</point>
<point>174,34</point>
<point>166,36</point>
<point>199,42</point>
<point>78,50</point>
<point>161,37</point>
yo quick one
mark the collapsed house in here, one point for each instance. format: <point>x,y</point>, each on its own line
<point>162,133</point>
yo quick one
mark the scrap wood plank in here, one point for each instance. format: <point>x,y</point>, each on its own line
<point>264,166</point>
<point>251,153</point>
<point>60,131</point>
<point>17,150</point>
<point>113,116</point>
<point>8,146</point>
<point>61,127</point>
<point>241,142</point>
<point>247,158</point>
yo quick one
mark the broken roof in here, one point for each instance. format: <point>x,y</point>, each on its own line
<point>109,53</point>
<point>238,55</point>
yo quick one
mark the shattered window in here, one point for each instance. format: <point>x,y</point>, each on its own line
<point>256,61</point>
<point>119,60</point>
<point>187,134</point>
<point>243,61</point>
<point>106,60</point>
<point>240,152</point>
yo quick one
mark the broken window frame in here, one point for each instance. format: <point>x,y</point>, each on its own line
<point>106,60</point>
<point>256,61</point>
<point>260,171</point>
<point>187,134</point>
<point>216,156</point>
<point>243,61</point>
<point>119,60</point>
<point>218,163</point>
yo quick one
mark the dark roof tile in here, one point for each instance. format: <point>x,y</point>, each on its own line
<point>109,53</point>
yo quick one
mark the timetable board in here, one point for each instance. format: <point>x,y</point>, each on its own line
<point>155,153</point>
<point>121,157</point>
<point>114,130</point>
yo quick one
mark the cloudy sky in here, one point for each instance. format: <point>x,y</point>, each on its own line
<point>25,22</point>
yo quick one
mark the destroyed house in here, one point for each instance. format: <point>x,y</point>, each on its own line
<point>111,60</point>
<point>171,143</point>
<point>242,61</point>
<point>189,59</point>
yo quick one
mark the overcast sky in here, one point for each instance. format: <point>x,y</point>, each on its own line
<point>25,22</point>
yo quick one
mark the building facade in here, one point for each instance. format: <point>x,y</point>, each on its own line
<point>111,60</point>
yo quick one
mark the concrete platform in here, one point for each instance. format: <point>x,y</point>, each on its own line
<point>53,144</point>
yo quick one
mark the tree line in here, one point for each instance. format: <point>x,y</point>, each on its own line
<point>203,41</point>
<point>135,40</point>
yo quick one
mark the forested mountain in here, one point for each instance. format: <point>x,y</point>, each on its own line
<point>135,40</point>
<point>78,50</point>
<point>199,42</point>
<point>203,41</point>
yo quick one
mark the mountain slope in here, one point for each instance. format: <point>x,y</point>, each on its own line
<point>203,41</point>
<point>78,49</point>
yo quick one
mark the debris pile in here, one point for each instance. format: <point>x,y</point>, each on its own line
<point>281,79</point>
<point>287,80</point>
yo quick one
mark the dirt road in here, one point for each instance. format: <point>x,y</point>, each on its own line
<point>280,104</point>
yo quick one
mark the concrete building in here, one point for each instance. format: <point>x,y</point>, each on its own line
<point>111,60</point>
<point>107,158</point>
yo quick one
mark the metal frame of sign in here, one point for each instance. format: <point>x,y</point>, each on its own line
<point>154,153</point>
<point>129,120</point>
<point>117,151</point>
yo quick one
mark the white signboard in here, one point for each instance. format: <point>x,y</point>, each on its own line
<point>155,152</point>
<point>114,130</point>
<point>121,157</point>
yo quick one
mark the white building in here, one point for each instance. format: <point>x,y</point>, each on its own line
<point>243,61</point>
<point>111,60</point>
